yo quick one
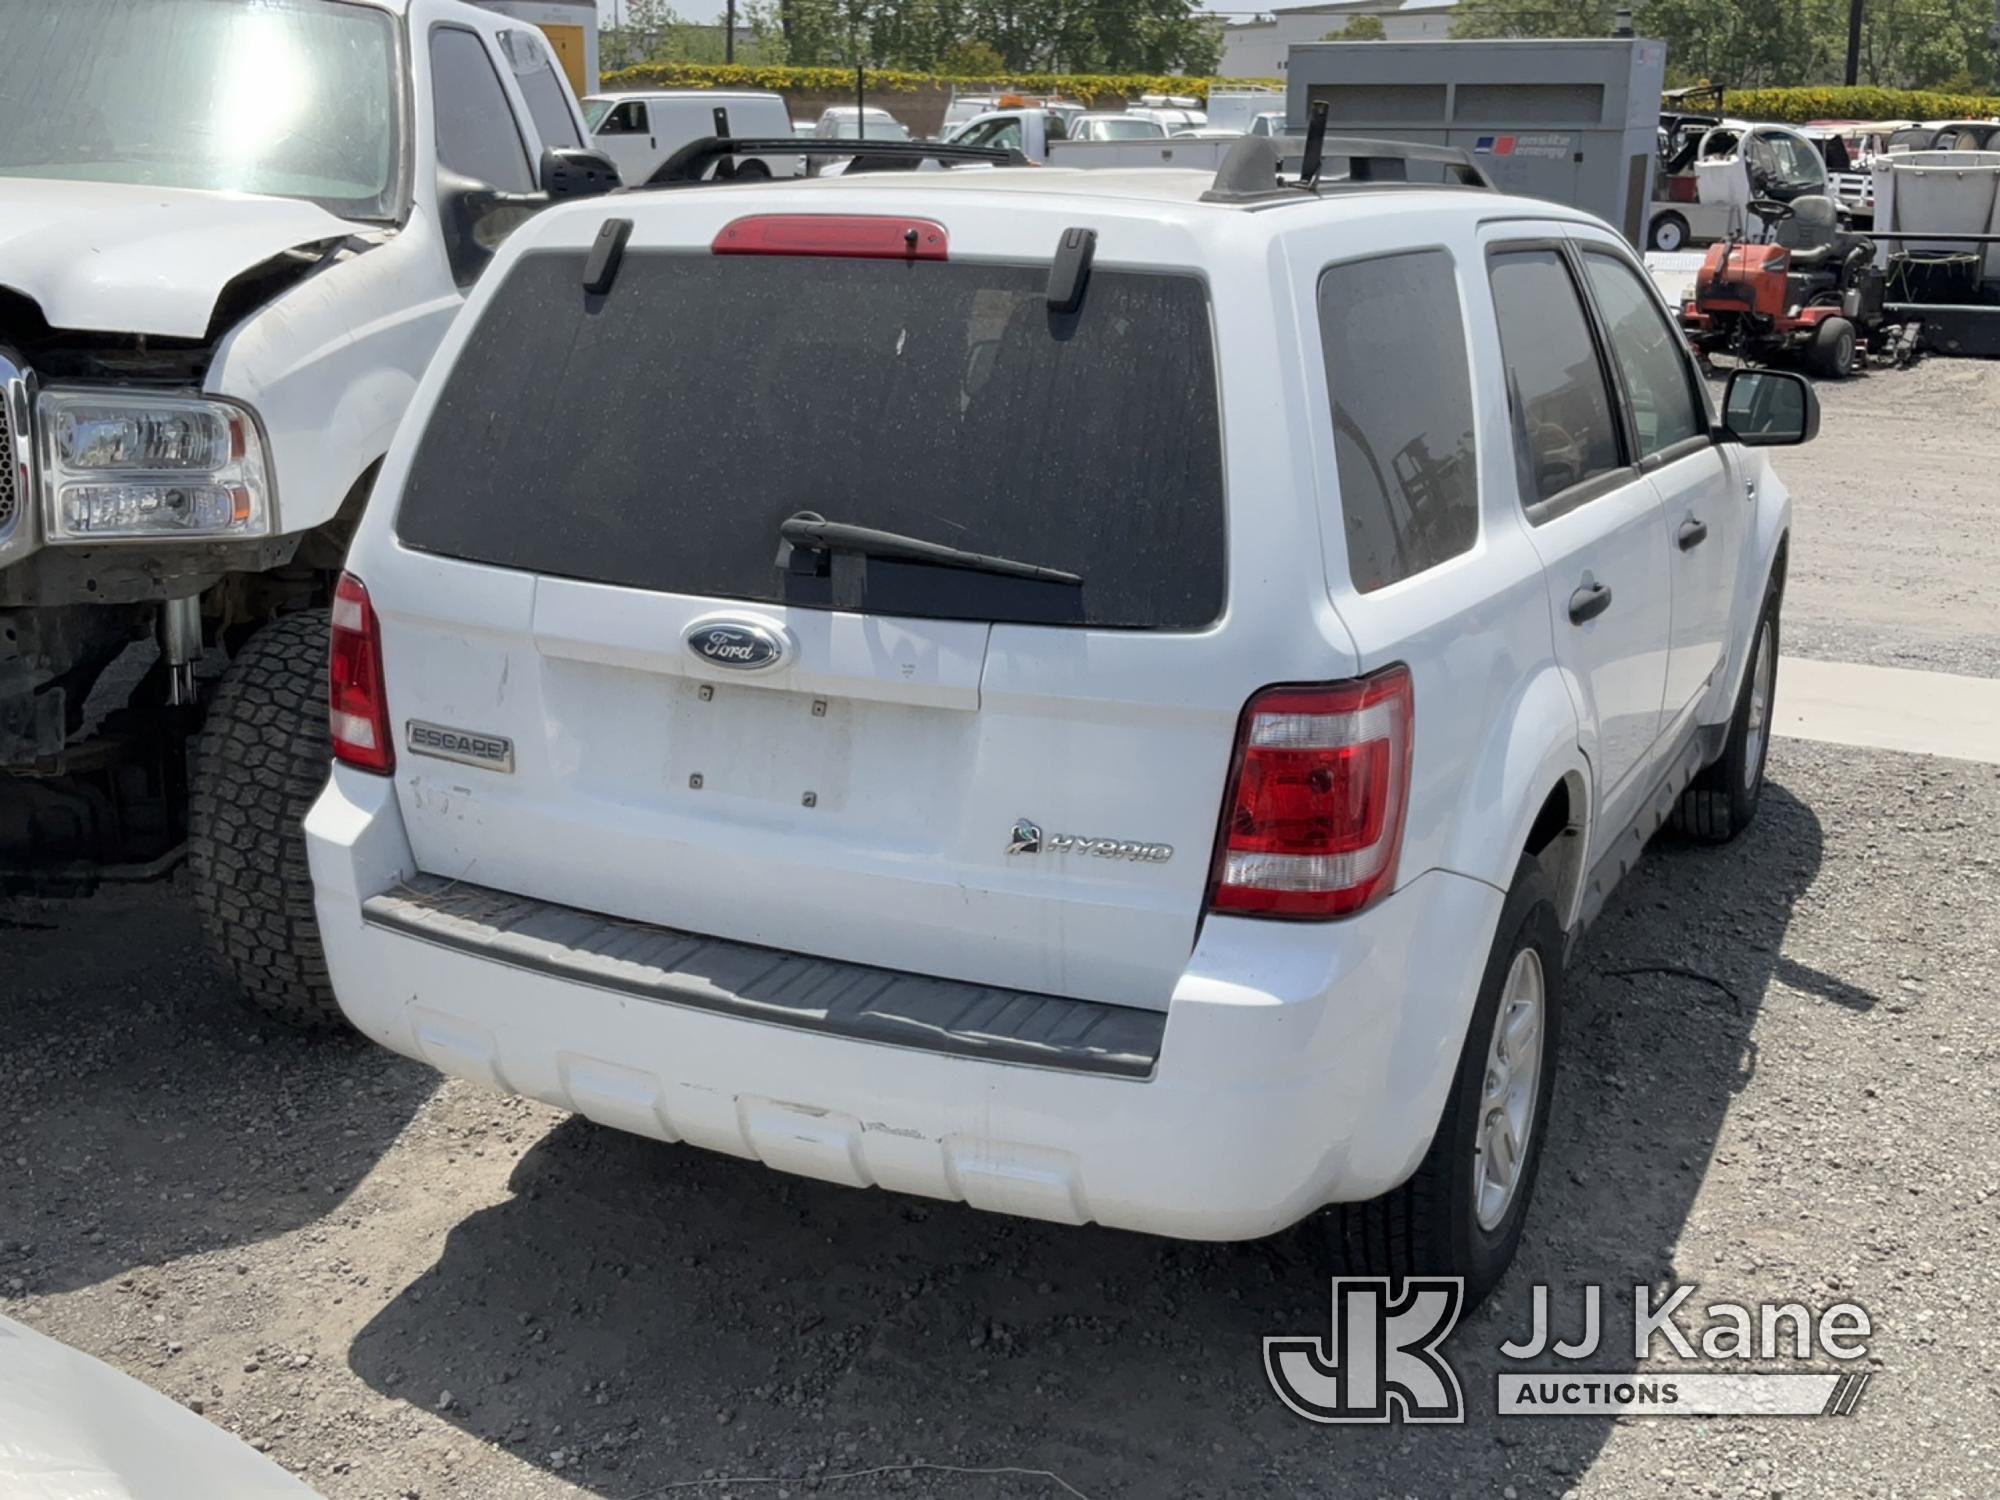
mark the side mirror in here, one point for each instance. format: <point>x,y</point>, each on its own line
<point>1768,409</point>
<point>572,172</point>
<point>475,217</point>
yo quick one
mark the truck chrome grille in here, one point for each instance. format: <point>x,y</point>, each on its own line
<point>15,452</point>
<point>10,500</point>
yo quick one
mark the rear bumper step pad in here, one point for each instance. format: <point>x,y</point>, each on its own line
<point>764,984</point>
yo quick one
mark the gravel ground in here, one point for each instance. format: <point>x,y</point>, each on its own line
<point>404,1287</point>
<point>1896,526</point>
<point>1779,1080</point>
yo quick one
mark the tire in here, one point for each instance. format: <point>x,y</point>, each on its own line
<point>1668,232</point>
<point>261,758</point>
<point>752,171</point>
<point>1436,1224</point>
<point>1831,353</point>
<point>1723,799</point>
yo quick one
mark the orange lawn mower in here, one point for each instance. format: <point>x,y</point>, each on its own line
<point>1811,293</point>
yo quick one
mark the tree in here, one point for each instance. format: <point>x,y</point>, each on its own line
<point>1771,43</point>
<point>972,58</point>
<point>1013,36</point>
<point>1359,29</point>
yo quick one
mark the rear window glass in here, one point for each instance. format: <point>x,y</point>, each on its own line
<point>658,436</point>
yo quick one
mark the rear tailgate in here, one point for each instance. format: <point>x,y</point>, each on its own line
<point>989,778</point>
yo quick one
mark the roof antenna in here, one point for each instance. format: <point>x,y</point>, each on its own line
<point>1315,143</point>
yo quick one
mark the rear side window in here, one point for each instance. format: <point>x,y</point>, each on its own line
<point>476,133</point>
<point>1393,336</point>
<point>1658,377</point>
<point>657,437</point>
<point>1564,432</point>
<point>553,122</point>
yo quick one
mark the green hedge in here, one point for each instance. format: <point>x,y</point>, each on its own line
<point>1087,88</point>
<point>1796,106</point>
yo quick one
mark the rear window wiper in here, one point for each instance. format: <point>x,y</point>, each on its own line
<point>811,530</point>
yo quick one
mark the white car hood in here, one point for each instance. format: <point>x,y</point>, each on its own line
<point>111,258</point>
<point>72,1428</point>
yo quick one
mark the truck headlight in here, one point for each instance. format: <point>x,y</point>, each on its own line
<point>118,464</point>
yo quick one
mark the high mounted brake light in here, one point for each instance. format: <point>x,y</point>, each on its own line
<point>357,705</point>
<point>847,236</point>
<point>1312,822</point>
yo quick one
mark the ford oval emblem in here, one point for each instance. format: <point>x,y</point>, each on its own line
<point>740,645</point>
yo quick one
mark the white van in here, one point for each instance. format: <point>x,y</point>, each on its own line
<point>638,129</point>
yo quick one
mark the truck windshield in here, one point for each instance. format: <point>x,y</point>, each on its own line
<point>291,98</point>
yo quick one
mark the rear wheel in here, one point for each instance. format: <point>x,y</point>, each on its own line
<point>1831,353</point>
<point>1723,799</point>
<point>1669,232</point>
<point>1462,1212</point>
<point>260,761</point>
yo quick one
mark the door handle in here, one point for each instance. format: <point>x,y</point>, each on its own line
<point>1693,534</point>
<point>1588,602</point>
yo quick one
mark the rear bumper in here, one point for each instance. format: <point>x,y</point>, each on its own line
<point>1301,1064</point>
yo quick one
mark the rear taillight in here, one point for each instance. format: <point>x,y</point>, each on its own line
<point>1313,819</point>
<point>358,708</point>
<point>1684,189</point>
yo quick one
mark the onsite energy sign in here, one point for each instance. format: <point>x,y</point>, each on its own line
<point>1550,145</point>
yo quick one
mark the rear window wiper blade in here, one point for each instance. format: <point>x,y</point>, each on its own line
<point>807,529</point>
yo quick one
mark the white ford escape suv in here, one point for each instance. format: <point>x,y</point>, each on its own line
<point>1101,695</point>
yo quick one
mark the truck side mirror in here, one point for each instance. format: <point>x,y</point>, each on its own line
<point>1768,409</point>
<point>474,217</point>
<point>575,172</point>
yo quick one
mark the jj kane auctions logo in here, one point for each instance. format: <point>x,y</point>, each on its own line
<point>1382,1358</point>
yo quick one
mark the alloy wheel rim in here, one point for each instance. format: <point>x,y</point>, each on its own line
<point>1508,1091</point>
<point>1760,709</point>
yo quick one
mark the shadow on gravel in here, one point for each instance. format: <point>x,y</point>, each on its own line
<point>639,1314</point>
<point>146,1113</point>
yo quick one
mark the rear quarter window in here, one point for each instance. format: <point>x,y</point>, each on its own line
<point>1393,336</point>
<point>658,436</point>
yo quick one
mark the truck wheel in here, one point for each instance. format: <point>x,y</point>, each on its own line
<point>1668,232</point>
<point>1723,798</point>
<point>1461,1213</point>
<point>260,760</point>
<point>1831,353</point>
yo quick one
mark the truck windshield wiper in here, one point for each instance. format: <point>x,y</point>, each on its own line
<point>809,529</point>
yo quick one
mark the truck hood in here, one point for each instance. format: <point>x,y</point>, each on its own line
<point>108,257</point>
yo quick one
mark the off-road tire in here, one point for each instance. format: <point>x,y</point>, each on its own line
<point>1831,353</point>
<point>1722,800</point>
<point>261,758</point>
<point>1427,1227</point>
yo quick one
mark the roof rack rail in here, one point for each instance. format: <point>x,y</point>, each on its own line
<point>1252,171</point>
<point>691,163</point>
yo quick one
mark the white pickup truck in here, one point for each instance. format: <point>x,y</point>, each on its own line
<point>231,237</point>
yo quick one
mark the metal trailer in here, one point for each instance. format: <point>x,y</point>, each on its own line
<point>570,26</point>
<point>1937,235</point>
<point>1573,121</point>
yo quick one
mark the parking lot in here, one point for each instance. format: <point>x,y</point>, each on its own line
<point>1780,1080</point>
